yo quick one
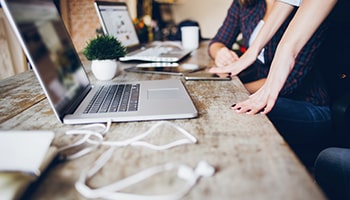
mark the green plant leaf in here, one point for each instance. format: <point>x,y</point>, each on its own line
<point>104,47</point>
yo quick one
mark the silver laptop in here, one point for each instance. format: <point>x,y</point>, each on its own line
<point>115,20</point>
<point>60,72</point>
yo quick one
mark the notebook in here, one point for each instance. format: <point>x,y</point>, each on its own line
<point>61,74</point>
<point>25,164</point>
<point>115,20</point>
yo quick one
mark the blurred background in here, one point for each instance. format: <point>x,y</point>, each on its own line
<point>158,18</point>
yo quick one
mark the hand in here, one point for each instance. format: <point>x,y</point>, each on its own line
<point>225,57</point>
<point>236,66</point>
<point>261,101</point>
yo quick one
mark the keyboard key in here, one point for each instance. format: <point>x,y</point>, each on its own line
<point>115,98</point>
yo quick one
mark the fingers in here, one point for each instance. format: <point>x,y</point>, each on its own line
<point>225,57</point>
<point>269,106</point>
<point>217,70</point>
<point>248,108</point>
<point>231,69</point>
<point>254,104</point>
<point>228,62</point>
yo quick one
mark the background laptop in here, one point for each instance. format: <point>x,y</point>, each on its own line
<point>115,20</point>
<point>60,72</point>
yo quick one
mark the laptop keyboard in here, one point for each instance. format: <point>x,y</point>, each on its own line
<point>115,98</point>
<point>154,51</point>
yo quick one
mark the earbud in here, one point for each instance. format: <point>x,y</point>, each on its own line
<point>204,169</point>
<point>186,173</point>
<point>113,191</point>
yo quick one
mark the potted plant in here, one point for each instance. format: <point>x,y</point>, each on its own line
<point>104,52</point>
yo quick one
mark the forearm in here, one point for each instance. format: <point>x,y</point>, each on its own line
<point>214,48</point>
<point>305,22</point>
<point>281,67</point>
<point>273,21</point>
<point>308,18</point>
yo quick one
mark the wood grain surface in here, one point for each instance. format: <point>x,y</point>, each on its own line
<point>251,159</point>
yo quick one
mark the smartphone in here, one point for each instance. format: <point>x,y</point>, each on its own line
<point>205,75</point>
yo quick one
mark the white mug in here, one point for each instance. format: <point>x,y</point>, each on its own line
<point>190,37</point>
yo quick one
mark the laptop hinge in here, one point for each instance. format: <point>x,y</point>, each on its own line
<point>77,100</point>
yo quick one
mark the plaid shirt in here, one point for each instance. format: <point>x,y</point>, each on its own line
<point>304,82</point>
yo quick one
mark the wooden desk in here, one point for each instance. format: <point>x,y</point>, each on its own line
<point>251,158</point>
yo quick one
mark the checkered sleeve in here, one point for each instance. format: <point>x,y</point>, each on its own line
<point>230,28</point>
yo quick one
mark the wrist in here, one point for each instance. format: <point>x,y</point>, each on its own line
<point>215,48</point>
<point>253,52</point>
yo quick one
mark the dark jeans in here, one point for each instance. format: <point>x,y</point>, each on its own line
<point>332,173</point>
<point>304,126</point>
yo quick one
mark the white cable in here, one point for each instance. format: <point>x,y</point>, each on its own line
<point>112,191</point>
<point>96,138</point>
<point>87,135</point>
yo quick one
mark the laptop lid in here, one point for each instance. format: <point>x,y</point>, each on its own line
<point>58,68</point>
<point>61,74</point>
<point>116,20</point>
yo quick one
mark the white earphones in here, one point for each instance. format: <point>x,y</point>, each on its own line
<point>95,139</point>
<point>112,191</point>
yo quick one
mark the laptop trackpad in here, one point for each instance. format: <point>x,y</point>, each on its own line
<point>163,93</point>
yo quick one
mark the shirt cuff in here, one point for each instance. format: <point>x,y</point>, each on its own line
<point>292,2</point>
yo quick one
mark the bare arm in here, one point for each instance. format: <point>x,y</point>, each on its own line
<point>273,20</point>
<point>308,18</point>
<point>221,54</point>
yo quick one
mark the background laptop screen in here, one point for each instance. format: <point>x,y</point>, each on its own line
<point>117,22</point>
<point>50,51</point>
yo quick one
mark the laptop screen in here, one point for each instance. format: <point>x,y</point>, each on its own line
<point>50,51</point>
<point>116,21</point>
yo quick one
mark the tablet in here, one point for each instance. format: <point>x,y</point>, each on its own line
<point>205,75</point>
<point>165,68</point>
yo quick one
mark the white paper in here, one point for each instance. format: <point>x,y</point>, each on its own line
<point>24,151</point>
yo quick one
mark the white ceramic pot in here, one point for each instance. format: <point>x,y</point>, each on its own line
<point>104,69</point>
